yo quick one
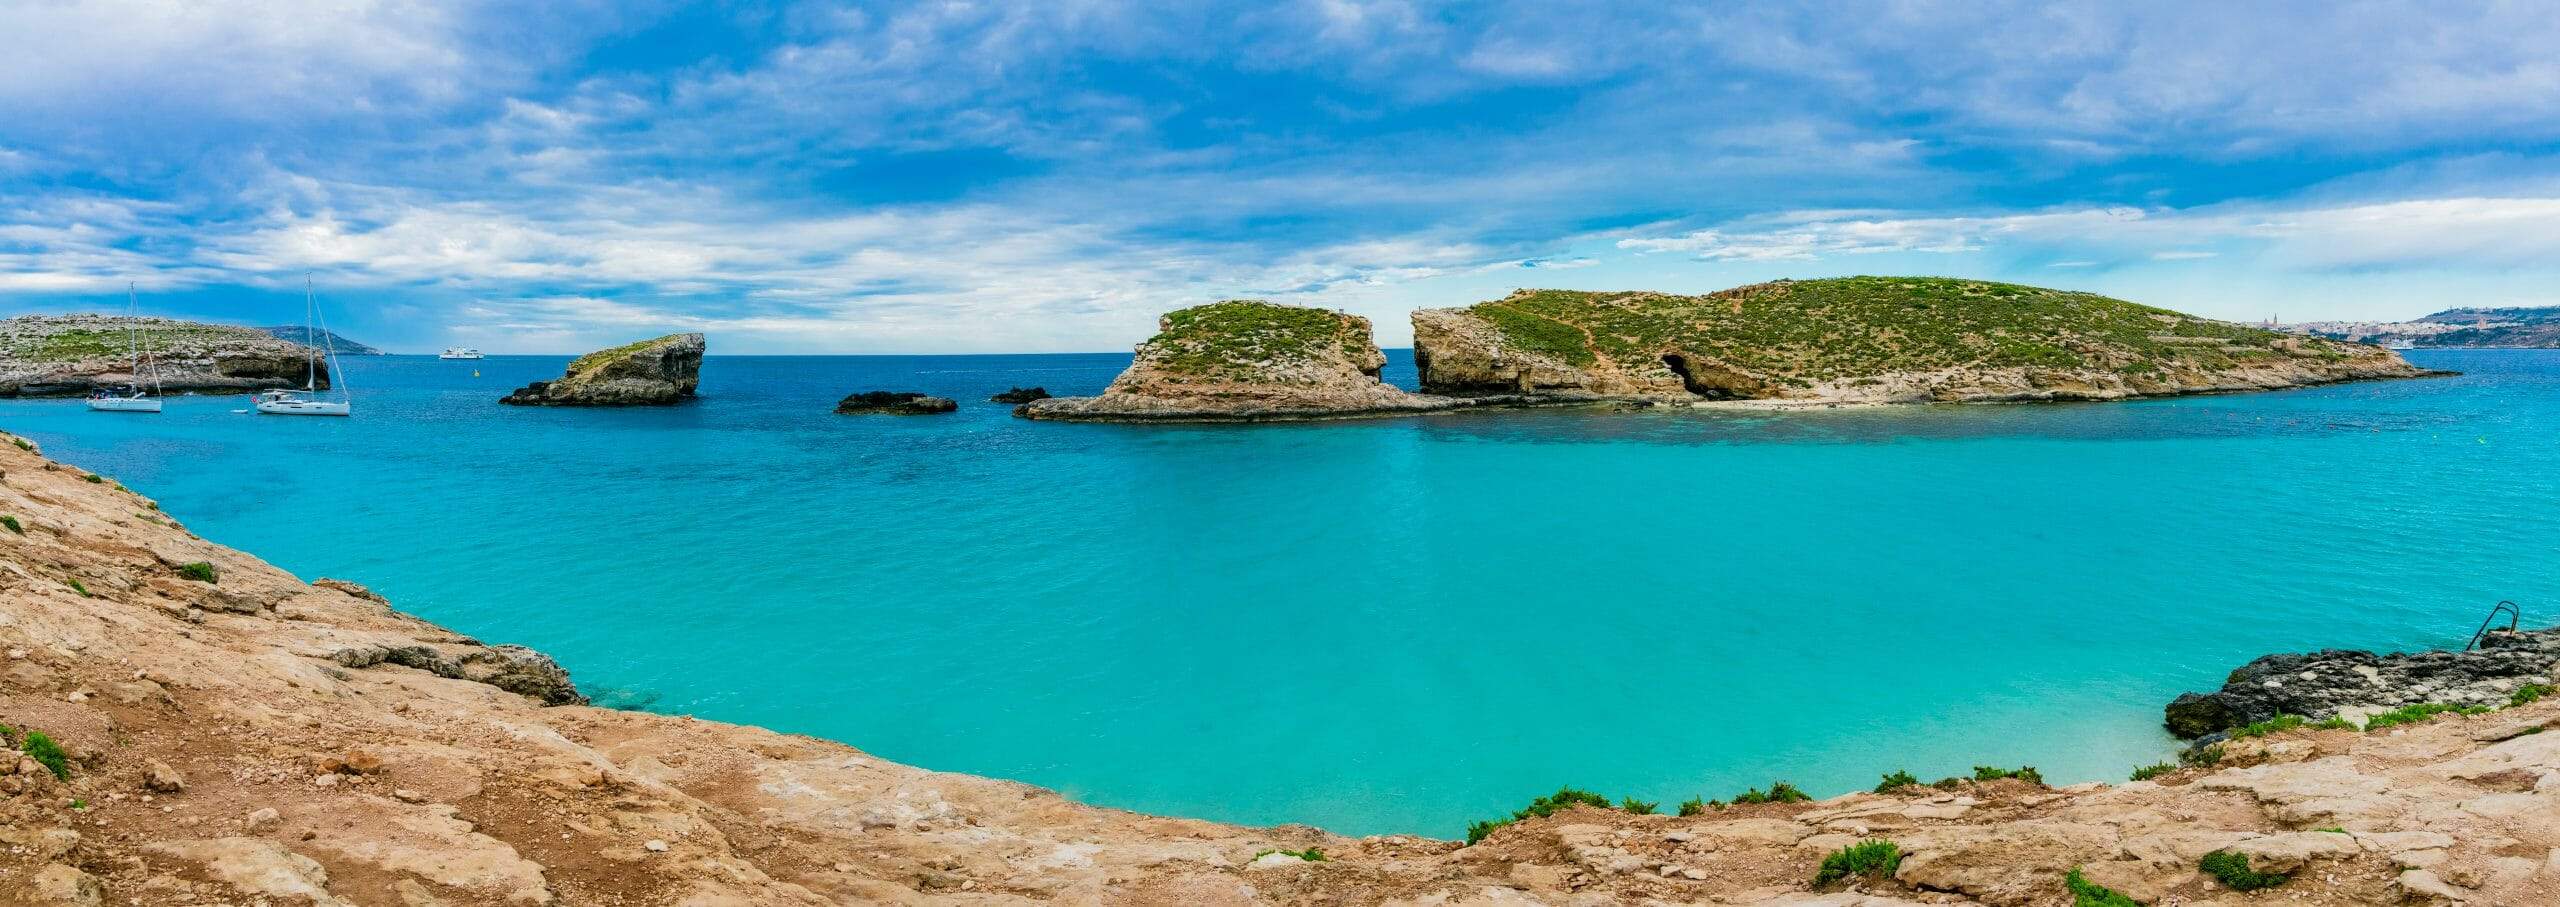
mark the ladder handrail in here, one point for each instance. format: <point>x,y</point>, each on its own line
<point>2515,615</point>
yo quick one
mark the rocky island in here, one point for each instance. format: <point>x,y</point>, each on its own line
<point>1246,360</point>
<point>185,724</point>
<point>1864,340</point>
<point>895,403</point>
<point>656,372</point>
<point>70,355</point>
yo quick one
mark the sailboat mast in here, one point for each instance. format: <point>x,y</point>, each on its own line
<point>310,364</point>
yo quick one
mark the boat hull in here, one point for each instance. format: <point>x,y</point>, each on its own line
<point>125,405</point>
<point>302,408</point>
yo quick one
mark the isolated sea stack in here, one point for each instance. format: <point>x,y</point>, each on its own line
<point>1864,340</point>
<point>1246,360</point>
<point>656,372</point>
<point>895,403</point>
<point>69,355</point>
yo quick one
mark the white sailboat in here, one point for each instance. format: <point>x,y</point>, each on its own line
<point>307,402</point>
<point>131,398</point>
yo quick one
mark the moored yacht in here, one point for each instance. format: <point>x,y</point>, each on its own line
<point>131,398</point>
<point>307,402</point>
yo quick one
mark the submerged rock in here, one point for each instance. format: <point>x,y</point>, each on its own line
<point>657,372</point>
<point>70,355</point>
<point>1247,361</point>
<point>1020,395</point>
<point>1864,340</point>
<point>2322,684</point>
<point>895,403</point>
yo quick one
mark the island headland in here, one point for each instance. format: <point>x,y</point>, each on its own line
<point>660,371</point>
<point>185,724</point>
<point>1845,341</point>
<point>71,355</point>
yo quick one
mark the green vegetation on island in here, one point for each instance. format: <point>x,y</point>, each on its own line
<point>1241,339</point>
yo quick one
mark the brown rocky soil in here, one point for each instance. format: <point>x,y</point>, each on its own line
<point>260,740</point>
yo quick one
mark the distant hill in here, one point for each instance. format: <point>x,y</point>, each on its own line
<point>294,333</point>
<point>2537,327</point>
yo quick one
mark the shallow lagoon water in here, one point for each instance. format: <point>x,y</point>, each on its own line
<point>1391,626</point>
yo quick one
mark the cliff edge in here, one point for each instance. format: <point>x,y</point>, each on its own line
<point>185,724</point>
<point>656,372</point>
<point>1247,361</point>
<point>70,355</point>
<point>1864,340</point>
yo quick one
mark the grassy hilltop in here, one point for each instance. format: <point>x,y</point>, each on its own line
<point>1243,339</point>
<point>1854,326</point>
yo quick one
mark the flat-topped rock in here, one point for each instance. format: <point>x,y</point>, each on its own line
<point>895,403</point>
<point>1247,361</point>
<point>70,355</point>
<point>1865,340</point>
<point>655,372</point>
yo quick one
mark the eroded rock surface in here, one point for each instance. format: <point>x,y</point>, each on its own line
<point>657,372</point>
<point>307,744</point>
<point>2347,683</point>
<point>1247,361</point>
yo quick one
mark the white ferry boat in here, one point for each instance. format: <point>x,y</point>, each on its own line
<point>459,352</point>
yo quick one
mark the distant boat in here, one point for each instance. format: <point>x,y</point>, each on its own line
<point>459,352</point>
<point>131,398</point>
<point>305,402</point>
<point>2401,344</point>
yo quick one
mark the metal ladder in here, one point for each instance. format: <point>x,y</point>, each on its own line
<point>2514,616</point>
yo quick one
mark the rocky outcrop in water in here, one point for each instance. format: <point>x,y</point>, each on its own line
<point>1864,340</point>
<point>1247,361</point>
<point>895,403</point>
<point>306,744</point>
<point>2350,684</point>
<point>70,355</point>
<point>1020,395</point>
<point>658,372</point>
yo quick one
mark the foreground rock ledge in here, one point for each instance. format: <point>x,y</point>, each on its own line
<point>1246,360</point>
<point>306,744</point>
<point>656,372</point>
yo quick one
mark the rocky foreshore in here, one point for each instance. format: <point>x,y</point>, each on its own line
<point>70,355</point>
<point>193,726</point>
<point>661,371</point>
<point>2353,686</point>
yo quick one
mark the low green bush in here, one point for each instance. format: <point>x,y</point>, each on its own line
<point>2085,893</point>
<point>1638,807</point>
<point>94,479</point>
<point>76,587</point>
<point>1311,854</point>
<point>2201,755</point>
<point>2269,726</point>
<point>1899,779</point>
<point>200,572</point>
<point>1563,798</point>
<point>12,523</point>
<point>1874,859</point>
<point>2233,871</point>
<point>2335,724</point>
<point>2025,773</point>
<point>1779,792</point>
<point>46,753</point>
<point>2412,714</point>
<point>2531,692</point>
<point>1695,807</point>
<point>2154,770</point>
<point>22,443</point>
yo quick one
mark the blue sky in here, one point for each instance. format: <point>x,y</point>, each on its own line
<point>987,177</point>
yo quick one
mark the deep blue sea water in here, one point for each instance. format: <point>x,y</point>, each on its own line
<point>1392,625</point>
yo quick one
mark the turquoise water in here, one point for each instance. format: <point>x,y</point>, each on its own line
<point>1393,625</point>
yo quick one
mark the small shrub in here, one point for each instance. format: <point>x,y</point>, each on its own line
<point>1476,830</point>
<point>1638,807</point>
<point>76,587</point>
<point>2154,770</point>
<point>200,572</point>
<point>2335,830</point>
<point>1311,854</point>
<point>2530,692</point>
<point>46,753</point>
<point>1899,779</point>
<point>1563,798</point>
<point>1779,792</point>
<point>94,479</point>
<point>22,443</point>
<point>1695,807</point>
<point>2412,714</point>
<point>2085,893</point>
<point>2201,755</point>
<point>2026,773</point>
<point>1872,859</point>
<point>1948,783</point>
<point>12,523</point>
<point>2233,871</point>
<point>2269,726</point>
<point>2335,724</point>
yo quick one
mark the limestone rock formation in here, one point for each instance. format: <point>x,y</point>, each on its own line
<point>2336,683</point>
<point>1864,340</point>
<point>310,745</point>
<point>1247,361</point>
<point>658,372</point>
<point>895,403</point>
<point>70,355</point>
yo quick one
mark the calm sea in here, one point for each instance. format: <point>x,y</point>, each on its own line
<point>1391,626</point>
